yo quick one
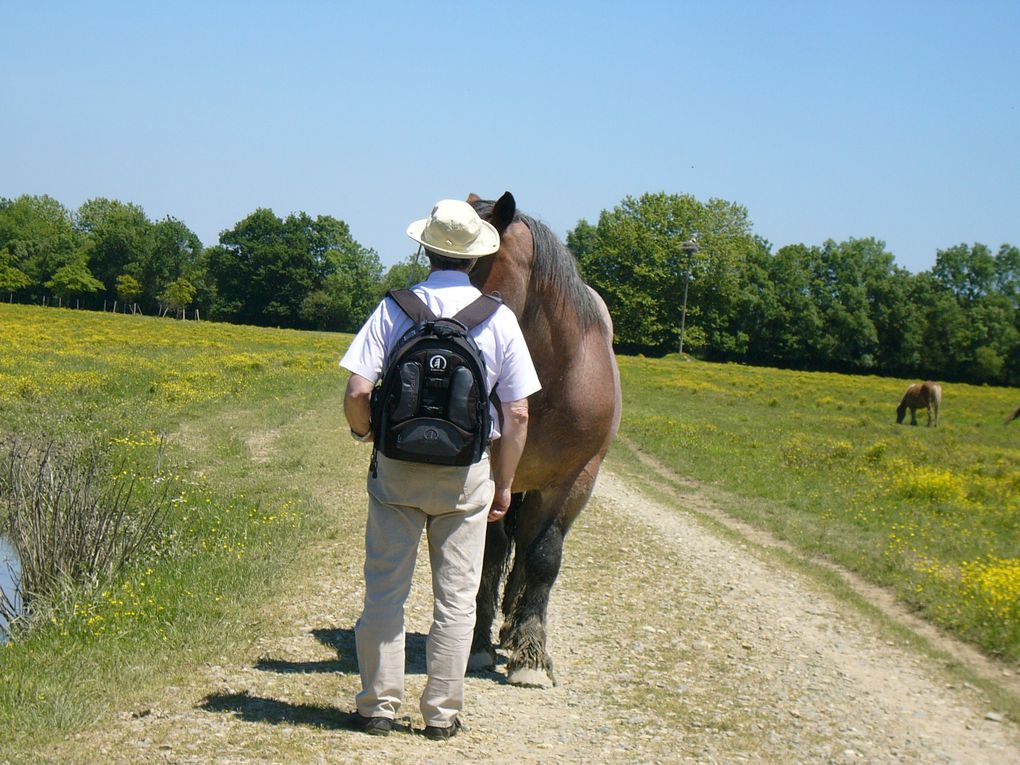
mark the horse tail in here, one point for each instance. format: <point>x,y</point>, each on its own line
<point>510,525</point>
<point>937,391</point>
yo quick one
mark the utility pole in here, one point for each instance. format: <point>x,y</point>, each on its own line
<point>690,247</point>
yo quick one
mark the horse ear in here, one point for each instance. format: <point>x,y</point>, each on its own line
<point>472,198</point>
<point>503,212</point>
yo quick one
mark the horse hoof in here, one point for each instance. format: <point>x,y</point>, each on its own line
<point>529,677</point>
<point>481,661</point>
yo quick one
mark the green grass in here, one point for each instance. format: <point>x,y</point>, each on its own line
<point>260,471</point>
<point>247,467</point>
<point>932,513</point>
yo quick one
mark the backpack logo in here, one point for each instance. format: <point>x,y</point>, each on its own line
<point>437,364</point>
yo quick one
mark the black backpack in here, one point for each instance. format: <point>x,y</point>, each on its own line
<point>432,405</point>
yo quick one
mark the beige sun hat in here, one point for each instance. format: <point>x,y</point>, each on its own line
<point>455,230</point>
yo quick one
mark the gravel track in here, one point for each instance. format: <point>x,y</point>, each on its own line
<point>673,644</point>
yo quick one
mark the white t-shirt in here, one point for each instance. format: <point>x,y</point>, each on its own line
<point>508,364</point>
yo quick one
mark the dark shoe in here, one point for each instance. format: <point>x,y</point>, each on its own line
<point>373,726</point>
<point>441,734</point>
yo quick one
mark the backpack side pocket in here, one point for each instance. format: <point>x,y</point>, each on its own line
<point>406,405</point>
<point>463,399</point>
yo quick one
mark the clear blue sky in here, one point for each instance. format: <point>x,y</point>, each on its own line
<point>898,120</point>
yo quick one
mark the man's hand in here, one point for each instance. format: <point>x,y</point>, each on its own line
<point>500,504</point>
<point>507,453</point>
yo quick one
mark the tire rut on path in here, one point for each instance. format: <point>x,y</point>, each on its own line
<point>671,645</point>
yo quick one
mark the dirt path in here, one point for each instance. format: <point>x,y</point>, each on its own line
<point>672,645</point>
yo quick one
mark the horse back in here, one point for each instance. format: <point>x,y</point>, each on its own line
<point>922,394</point>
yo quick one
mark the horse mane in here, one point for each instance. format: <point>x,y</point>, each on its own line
<point>554,267</point>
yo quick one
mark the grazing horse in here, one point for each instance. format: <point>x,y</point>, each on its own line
<point>1016,413</point>
<point>572,421</point>
<point>927,395</point>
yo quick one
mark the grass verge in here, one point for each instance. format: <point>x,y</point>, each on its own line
<point>245,454</point>
<point>933,514</point>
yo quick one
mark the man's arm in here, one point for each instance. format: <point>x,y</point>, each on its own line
<point>357,405</point>
<point>511,446</point>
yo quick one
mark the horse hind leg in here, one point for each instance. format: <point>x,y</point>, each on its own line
<point>497,551</point>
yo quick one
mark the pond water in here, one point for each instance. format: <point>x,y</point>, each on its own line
<point>9,572</point>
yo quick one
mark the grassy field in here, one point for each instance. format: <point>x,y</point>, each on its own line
<point>816,458</point>
<point>216,394</point>
<point>932,513</point>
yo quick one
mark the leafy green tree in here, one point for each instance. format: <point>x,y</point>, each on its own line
<point>128,288</point>
<point>972,327</point>
<point>175,252</point>
<point>348,292</point>
<point>848,275</point>
<point>636,259</point>
<point>897,318</point>
<point>406,273</point>
<point>353,279</point>
<point>12,279</point>
<point>1007,274</point>
<point>841,305</point>
<point>74,280</point>
<point>39,235</point>
<point>967,272</point>
<point>259,279</point>
<point>1007,285</point>
<point>993,335</point>
<point>583,242</point>
<point>620,263</point>
<point>178,295</point>
<point>118,239</point>
<point>296,272</point>
<point>781,317</point>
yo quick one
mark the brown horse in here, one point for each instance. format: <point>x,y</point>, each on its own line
<point>1016,413</point>
<point>573,419</point>
<point>927,395</point>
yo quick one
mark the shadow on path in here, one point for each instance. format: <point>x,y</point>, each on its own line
<point>342,641</point>
<point>249,708</point>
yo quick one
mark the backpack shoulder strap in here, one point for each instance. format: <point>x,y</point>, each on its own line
<point>412,305</point>
<point>479,310</point>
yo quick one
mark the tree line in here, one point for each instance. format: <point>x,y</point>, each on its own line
<point>841,306</point>
<point>297,272</point>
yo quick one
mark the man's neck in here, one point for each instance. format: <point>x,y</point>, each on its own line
<point>449,277</point>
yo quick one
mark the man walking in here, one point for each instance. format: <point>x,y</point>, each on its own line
<point>451,503</point>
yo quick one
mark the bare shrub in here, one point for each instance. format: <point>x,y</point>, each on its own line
<point>73,519</point>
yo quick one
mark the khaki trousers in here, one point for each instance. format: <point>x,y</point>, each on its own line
<point>451,504</point>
